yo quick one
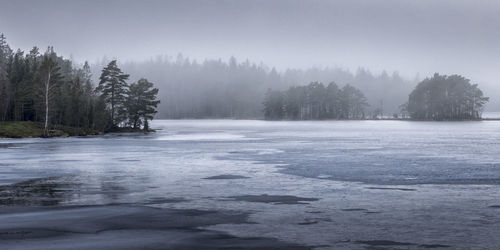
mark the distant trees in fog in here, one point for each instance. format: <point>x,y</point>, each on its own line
<point>444,97</point>
<point>314,102</point>
<point>236,89</point>
<point>47,88</point>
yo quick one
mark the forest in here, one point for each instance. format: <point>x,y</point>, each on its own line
<point>233,88</point>
<point>241,90</point>
<point>50,90</point>
<point>315,102</point>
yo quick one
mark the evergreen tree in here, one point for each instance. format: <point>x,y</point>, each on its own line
<point>142,103</point>
<point>4,80</point>
<point>444,97</point>
<point>89,97</point>
<point>113,88</point>
<point>274,105</point>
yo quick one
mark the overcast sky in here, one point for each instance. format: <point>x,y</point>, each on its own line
<point>419,36</point>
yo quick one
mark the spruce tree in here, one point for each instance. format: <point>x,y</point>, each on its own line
<point>142,103</point>
<point>113,89</point>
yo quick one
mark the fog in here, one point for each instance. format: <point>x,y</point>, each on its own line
<point>414,38</point>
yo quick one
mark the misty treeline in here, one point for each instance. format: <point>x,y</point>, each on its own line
<point>315,102</point>
<point>47,88</point>
<point>444,97</point>
<point>234,89</point>
<point>440,97</point>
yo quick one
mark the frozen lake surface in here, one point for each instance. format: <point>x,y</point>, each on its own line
<point>320,184</point>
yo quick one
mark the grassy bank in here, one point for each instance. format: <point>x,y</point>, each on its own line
<point>20,129</point>
<point>28,129</point>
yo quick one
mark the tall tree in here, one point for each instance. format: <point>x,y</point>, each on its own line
<point>274,105</point>
<point>113,89</point>
<point>49,78</point>
<point>4,80</point>
<point>142,103</point>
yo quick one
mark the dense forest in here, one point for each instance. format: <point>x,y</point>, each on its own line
<point>49,89</point>
<point>444,97</point>
<point>315,102</point>
<point>236,89</point>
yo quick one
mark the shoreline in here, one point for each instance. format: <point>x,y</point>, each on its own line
<point>29,129</point>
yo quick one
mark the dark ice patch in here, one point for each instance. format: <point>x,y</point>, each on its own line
<point>389,243</point>
<point>273,199</point>
<point>307,222</point>
<point>314,212</point>
<point>375,243</point>
<point>389,188</point>
<point>226,177</point>
<point>162,200</point>
<point>67,160</point>
<point>353,209</point>
<point>433,246</point>
<point>125,227</point>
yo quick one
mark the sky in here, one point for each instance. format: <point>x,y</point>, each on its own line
<point>408,36</point>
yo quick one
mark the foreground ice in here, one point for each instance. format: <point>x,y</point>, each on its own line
<point>335,184</point>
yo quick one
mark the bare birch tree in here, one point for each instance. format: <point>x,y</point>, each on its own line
<point>49,79</point>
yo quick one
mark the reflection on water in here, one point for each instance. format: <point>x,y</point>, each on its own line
<point>38,192</point>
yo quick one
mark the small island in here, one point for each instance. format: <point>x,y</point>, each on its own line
<point>437,98</point>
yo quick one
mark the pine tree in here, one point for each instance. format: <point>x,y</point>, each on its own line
<point>142,103</point>
<point>113,88</point>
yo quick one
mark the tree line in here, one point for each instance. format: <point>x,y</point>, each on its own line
<point>47,88</point>
<point>235,88</point>
<point>440,97</point>
<point>315,102</point>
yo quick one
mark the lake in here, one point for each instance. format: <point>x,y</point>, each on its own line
<point>322,184</point>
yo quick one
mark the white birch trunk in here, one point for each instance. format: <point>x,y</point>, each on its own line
<point>47,85</point>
